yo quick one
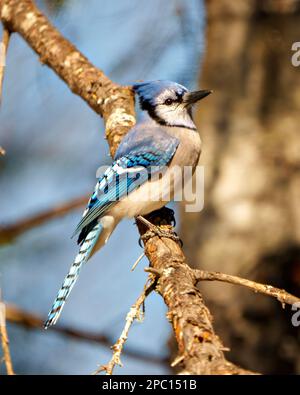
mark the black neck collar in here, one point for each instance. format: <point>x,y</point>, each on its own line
<point>146,106</point>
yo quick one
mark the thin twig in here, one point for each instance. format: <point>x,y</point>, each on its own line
<point>280,294</point>
<point>28,320</point>
<point>133,314</point>
<point>3,51</point>
<point>137,261</point>
<point>147,223</point>
<point>4,339</point>
<point>9,232</point>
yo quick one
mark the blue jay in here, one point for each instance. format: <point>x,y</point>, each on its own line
<point>167,137</point>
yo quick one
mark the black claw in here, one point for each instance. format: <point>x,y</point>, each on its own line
<point>179,240</point>
<point>141,242</point>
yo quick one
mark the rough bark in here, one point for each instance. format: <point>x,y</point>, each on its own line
<point>200,351</point>
<point>115,103</point>
<point>250,225</point>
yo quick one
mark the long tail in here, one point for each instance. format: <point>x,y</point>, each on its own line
<point>81,258</point>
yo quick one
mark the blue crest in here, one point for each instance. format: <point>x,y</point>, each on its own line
<point>149,90</point>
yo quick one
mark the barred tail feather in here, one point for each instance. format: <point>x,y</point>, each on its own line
<point>69,281</point>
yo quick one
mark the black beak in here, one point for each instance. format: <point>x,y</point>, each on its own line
<point>191,98</point>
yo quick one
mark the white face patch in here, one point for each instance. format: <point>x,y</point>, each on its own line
<point>174,114</point>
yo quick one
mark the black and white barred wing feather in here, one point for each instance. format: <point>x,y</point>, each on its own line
<point>137,155</point>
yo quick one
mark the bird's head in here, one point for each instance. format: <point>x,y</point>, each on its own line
<point>168,103</point>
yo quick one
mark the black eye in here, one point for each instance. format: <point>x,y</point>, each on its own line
<point>168,102</point>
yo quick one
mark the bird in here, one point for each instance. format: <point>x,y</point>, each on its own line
<point>165,138</point>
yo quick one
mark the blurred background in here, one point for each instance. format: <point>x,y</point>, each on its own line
<point>250,225</point>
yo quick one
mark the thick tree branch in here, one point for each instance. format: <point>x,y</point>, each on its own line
<point>113,102</point>
<point>201,351</point>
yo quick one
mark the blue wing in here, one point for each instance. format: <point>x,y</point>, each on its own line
<point>139,151</point>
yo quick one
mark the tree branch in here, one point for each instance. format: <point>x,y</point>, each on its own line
<point>4,340</point>
<point>280,294</point>
<point>201,351</point>
<point>9,232</point>
<point>28,320</point>
<point>115,103</point>
<point>3,50</point>
<point>134,314</point>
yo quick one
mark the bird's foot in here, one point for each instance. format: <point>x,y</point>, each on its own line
<point>169,214</point>
<point>157,231</point>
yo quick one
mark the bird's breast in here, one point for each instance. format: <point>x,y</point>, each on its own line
<point>189,148</point>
